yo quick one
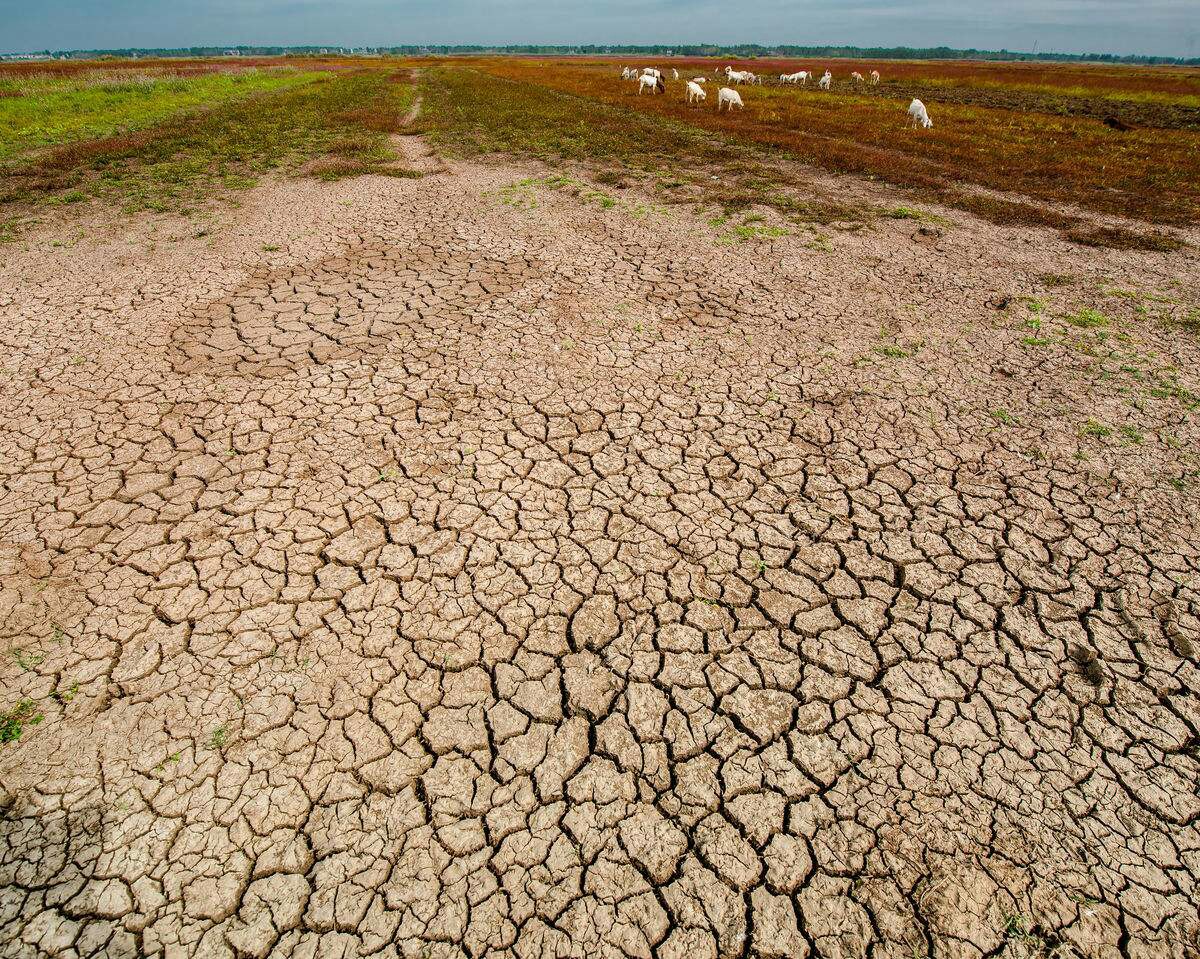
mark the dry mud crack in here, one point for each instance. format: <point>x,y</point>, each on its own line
<point>457,576</point>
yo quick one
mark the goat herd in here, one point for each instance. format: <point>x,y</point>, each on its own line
<point>652,80</point>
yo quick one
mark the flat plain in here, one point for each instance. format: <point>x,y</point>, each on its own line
<point>464,508</point>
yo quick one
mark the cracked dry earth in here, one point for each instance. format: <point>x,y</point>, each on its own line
<point>461,577</point>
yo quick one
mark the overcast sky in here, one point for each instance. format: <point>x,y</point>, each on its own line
<point>1164,27</point>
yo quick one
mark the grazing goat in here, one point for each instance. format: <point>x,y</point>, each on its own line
<point>918,116</point>
<point>625,71</point>
<point>800,76</point>
<point>699,80</point>
<point>729,96</point>
<point>655,84</point>
<point>674,73</point>
<point>695,92</point>
<point>740,76</point>
<point>874,77</point>
<point>825,81</point>
<point>857,77</point>
<point>651,72</point>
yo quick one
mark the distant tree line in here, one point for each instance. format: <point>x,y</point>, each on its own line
<point>740,51</point>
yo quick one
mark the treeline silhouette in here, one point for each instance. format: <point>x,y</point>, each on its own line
<point>740,51</point>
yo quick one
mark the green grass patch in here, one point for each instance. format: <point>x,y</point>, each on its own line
<point>52,111</point>
<point>749,232</point>
<point>1088,319</point>
<point>337,122</point>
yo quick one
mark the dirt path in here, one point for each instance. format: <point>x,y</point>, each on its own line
<point>454,566</point>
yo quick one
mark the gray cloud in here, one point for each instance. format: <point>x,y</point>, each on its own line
<point>1164,27</point>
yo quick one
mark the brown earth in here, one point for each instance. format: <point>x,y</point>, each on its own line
<point>453,566</point>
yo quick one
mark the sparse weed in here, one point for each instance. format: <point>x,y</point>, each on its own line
<point>1095,428</point>
<point>1034,943</point>
<point>64,696</point>
<point>27,659</point>
<point>13,722</point>
<point>1189,323</point>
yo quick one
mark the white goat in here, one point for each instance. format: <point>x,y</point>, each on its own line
<point>648,81</point>
<point>699,80</point>
<point>625,73</point>
<point>740,76</point>
<point>918,116</point>
<point>729,96</point>
<point>874,77</point>
<point>695,92</point>
<point>857,77</point>
<point>650,72</point>
<point>798,77</point>
<point>825,81</point>
<point>674,73</point>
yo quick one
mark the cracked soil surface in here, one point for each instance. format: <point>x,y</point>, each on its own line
<point>405,569</point>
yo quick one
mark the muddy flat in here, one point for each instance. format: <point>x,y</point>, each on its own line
<point>457,567</point>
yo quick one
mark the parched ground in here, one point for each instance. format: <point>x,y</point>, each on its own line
<point>456,566</point>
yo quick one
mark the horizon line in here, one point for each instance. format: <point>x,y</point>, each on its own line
<point>776,49</point>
